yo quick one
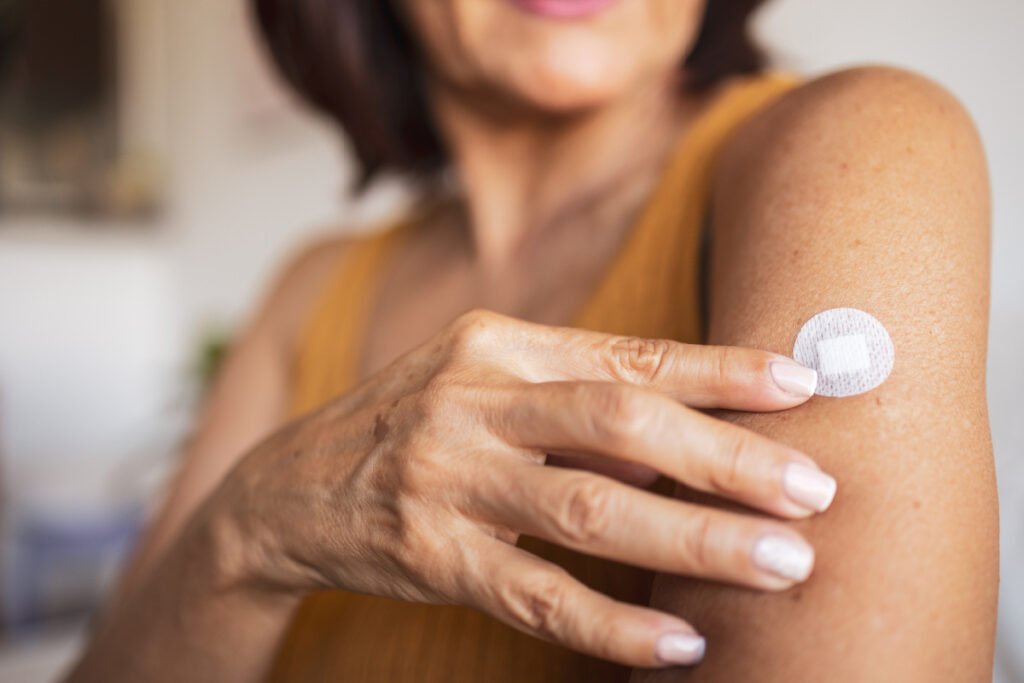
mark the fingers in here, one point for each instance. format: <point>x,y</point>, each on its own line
<point>630,473</point>
<point>599,516</point>
<point>649,429</point>
<point>544,601</point>
<point>699,376</point>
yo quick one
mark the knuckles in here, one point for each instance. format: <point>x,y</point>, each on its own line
<point>614,414</point>
<point>416,438</point>
<point>417,549</point>
<point>730,464</point>
<point>406,525</point>
<point>475,331</point>
<point>638,360</point>
<point>537,601</point>
<point>697,542</point>
<point>414,462</point>
<point>587,511</point>
<point>413,474</point>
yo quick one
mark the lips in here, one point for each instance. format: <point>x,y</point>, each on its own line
<point>563,9</point>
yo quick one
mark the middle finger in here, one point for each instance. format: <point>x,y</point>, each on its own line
<point>648,428</point>
<point>600,516</point>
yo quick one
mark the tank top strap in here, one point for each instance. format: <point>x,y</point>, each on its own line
<point>329,343</point>
<point>652,287</point>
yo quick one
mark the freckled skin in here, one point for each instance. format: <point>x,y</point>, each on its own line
<point>906,575</point>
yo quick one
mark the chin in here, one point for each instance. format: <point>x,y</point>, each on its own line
<point>501,52</point>
<point>570,76</point>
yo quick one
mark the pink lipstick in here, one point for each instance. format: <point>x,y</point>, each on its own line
<point>564,9</point>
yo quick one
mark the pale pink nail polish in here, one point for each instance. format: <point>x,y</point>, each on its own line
<point>794,378</point>
<point>680,648</point>
<point>785,557</point>
<point>808,487</point>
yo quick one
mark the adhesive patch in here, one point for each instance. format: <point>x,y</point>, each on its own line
<point>843,354</point>
<point>850,349</point>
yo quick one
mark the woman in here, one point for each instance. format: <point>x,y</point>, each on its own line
<point>572,175</point>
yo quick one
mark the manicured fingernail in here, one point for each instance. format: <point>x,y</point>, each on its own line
<point>808,487</point>
<point>784,557</point>
<point>794,378</point>
<point>680,648</point>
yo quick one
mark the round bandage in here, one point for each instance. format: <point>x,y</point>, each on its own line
<point>850,349</point>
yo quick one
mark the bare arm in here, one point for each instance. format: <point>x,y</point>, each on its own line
<point>865,189</point>
<point>181,592</point>
<point>248,400</point>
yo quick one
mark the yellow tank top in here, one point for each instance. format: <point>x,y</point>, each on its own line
<point>651,289</point>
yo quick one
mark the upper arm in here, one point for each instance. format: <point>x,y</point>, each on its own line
<point>248,399</point>
<point>865,189</point>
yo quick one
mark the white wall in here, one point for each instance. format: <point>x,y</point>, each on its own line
<point>100,319</point>
<point>251,175</point>
<point>248,177</point>
<point>237,205</point>
<point>975,50</point>
<point>87,324</point>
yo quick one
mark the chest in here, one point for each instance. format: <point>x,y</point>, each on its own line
<point>422,287</point>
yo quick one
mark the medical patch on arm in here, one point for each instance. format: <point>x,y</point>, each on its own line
<point>850,349</point>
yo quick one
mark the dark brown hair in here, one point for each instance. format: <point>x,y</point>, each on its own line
<point>355,61</point>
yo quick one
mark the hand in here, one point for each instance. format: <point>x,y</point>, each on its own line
<point>417,484</point>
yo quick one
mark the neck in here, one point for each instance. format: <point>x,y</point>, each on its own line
<point>520,176</point>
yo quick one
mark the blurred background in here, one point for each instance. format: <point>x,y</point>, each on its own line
<point>152,177</point>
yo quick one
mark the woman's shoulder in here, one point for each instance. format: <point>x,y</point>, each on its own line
<point>869,114</point>
<point>872,84</point>
<point>306,274</point>
<point>862,134</point>
<point>302,276</point>
<point>337,261</point>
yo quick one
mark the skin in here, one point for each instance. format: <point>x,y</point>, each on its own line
<point>867,189</point>
<point>555,161</point>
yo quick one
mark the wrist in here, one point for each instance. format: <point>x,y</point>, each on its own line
<point>234,556</point>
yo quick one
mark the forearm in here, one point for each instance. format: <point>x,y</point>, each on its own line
<point>194,617</point>
<point>181,611</point>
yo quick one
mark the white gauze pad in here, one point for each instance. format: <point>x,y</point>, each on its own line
<point>851,351</point>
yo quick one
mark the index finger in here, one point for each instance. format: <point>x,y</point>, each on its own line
<point>699,376</point>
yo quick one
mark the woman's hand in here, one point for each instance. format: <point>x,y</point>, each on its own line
<point>418,483</point>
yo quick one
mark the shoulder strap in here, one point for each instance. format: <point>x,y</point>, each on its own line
<point>652,288</point>
<point>329,346</point>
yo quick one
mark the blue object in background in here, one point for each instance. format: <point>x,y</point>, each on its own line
<point>62,565</point>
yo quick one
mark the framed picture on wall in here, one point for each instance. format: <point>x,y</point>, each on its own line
<point>63,112</point>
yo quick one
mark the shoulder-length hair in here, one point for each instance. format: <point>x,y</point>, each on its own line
<point>354,61</point>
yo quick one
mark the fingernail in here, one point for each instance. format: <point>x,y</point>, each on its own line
<point>680,648</point>
<point>784,557</point>
<point>808,487</point>
<point>794,378</point>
